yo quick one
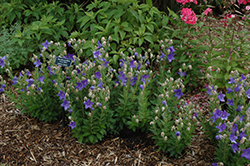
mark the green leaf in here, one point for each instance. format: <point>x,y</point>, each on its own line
<point>134,13</point>
<point>115,37</point>
<point>100,28</point>
<point>141,40</point>
<point>149,2</point>
<point>18,106</point>
<point>83,20</point>
<point>228,68</point>
<point>122,34</point>
<point>165,20</point>
<point>149,39</point>
<point>86,134</point>
<point>150,27</point>
<point>91,138</point>
<point>115,58</point>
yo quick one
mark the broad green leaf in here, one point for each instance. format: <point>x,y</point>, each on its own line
<point>149,2</point>
<point>86,134</point>
<point>122,34</point>
<point>165,20</point>
<point>91,138</point>
<point>115,59</point>
<point>100,28</point>
<point>150,27</point>
<point>141,40</point>
<point>115,37</point>
<point>83,20</point>
<point>228,68</point>
<point>134,13</point>
<point>149,39</point>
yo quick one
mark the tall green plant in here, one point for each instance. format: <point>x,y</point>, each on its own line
<point>128,23</point>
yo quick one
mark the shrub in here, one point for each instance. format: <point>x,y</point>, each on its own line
<point>17,54</point>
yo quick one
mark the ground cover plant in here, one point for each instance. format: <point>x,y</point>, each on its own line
<point>102,98</point>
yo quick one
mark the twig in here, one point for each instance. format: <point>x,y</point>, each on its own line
<point>33,156</point>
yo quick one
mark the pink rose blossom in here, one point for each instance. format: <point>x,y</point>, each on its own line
<point>247,7</point>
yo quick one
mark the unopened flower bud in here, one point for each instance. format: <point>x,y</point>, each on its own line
<point>162,134</point>
<point>137,120</point>
<point>165,138</point>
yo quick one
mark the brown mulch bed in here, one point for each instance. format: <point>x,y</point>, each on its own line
<point>27,141</point>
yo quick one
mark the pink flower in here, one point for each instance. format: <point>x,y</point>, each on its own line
<point>208,10</point>
<point>225,19</point>
<point>247,7</point>
<point>188,16</point>
<point>186,1</point>
<point>244,2</point>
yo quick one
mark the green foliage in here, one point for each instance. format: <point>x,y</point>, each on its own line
<point>239,118</point>
<point>17,54</point>
<point>188,52</point>
<point>38,99</point>
<point>39,22</point>
<point>128,23</point>
<point>228,52</point>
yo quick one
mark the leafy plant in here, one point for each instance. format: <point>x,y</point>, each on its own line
<point>128,23</point>
<point>232,56</point>
<point>17,54</point>
<point>188,52</point>
<point>230,125</point>
<point>36,94</point>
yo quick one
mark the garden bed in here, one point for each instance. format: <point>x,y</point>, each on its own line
<point>27,141</point>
